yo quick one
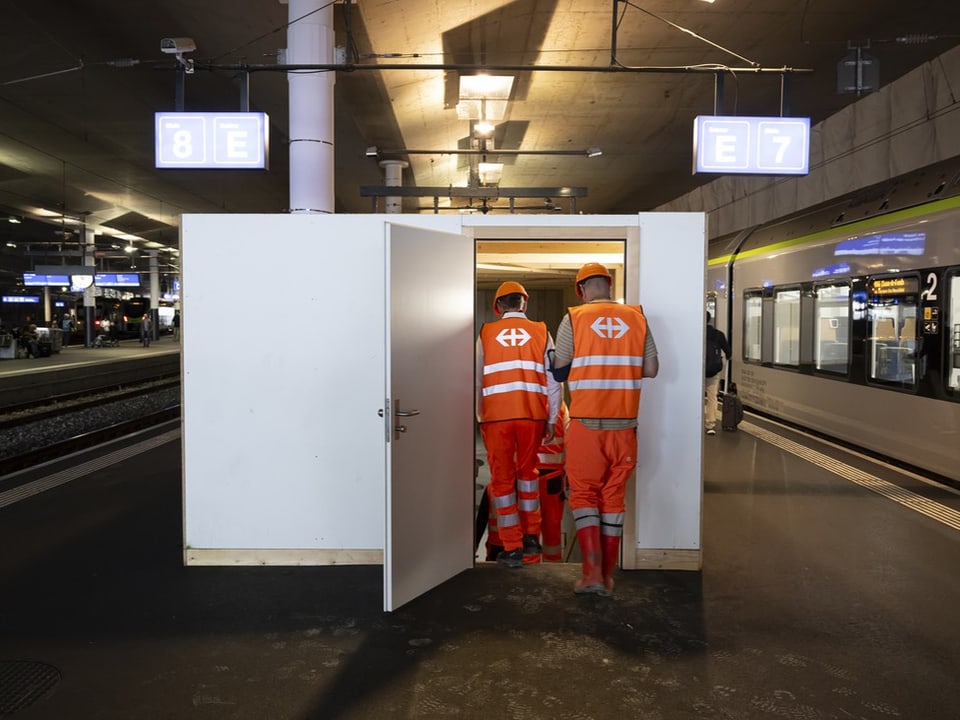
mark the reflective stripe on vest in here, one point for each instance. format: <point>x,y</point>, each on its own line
<point>607,370</point>
<point>514,381</point>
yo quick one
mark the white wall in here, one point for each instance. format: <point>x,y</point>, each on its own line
<point>283,357</point>
<point>671,273</point>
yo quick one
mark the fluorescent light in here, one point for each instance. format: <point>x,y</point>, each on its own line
<point>595,151</point>
<point>372,151</point>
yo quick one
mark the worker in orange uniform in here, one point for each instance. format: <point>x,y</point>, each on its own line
<point>550,456</point>
<point>550,464</point>
<point>517,405</point>
<point>604,351</point>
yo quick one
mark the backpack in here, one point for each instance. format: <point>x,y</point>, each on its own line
<point>714,362</point>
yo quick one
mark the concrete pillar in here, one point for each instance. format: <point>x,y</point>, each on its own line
<point>89,304</point>
<point>310,40</point>
<point>393,177</point>
<point>154,295</point>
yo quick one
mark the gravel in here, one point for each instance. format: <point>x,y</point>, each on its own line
<point>41,433</point>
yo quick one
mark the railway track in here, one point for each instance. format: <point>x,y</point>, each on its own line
<point>83,441</point>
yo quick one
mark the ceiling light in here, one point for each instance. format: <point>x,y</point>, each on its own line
<point>14,219</point>
<point>484,128</point>
<point>489,87</point>
<point>129,249</point>
<point>481,109</point>
<point>708,1</point>
<point>372,151</point>
<point>595,151</point>
<point>490,173</point>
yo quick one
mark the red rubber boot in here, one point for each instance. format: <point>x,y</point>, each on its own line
<point>610,545</point>
<point>592,580</point>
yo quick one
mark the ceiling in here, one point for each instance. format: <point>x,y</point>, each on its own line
<point>81,79</point>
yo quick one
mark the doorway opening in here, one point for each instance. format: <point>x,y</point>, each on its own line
<point>547,269</point>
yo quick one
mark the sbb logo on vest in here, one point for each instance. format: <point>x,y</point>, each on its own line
<point>513,337</point>
<point>609,327</point>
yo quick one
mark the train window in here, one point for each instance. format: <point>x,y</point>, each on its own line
<point>752,325</point>
<point>953,323</point>
<point>892,330</point>
<point>786,327</point>
<point>832,328</point>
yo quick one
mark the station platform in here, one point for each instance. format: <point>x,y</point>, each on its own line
<point>77,353</point>
<point>829,589</point>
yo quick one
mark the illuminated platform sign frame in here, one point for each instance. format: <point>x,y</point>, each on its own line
<point>212,140</point>
<point>751,145</point>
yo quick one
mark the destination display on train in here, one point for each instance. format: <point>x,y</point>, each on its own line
<point>212,140</point>
<point>751,145</point>
<point>894,286</point>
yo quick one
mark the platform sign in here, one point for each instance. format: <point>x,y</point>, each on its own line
<point>116,280</point>
<point>212,140</point>
<point>21,299</point>
<point>751,145</point>
<point>41,280</point>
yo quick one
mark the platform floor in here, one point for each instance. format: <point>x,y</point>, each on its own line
<point>820,597</point>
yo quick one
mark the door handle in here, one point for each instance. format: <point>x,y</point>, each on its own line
<point>406,413</point>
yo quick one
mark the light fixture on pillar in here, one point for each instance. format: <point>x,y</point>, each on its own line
<point>594,152</point>
<point>372,151</point>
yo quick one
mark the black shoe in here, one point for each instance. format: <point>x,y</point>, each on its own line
<point>511,558</point>
<point>493,552</point>
<point>531,546</point>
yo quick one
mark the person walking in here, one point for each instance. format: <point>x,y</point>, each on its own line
<point>517,405</point>
<point>717,348</point>
<point>146,329</point>
<point>176,326</point>
<point>604,351</point>
<point>550,456</point>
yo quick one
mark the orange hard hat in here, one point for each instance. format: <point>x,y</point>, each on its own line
<point>588,271</point>
<point>510,287</point>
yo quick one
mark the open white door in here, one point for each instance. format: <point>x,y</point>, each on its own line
<point>430,376</point>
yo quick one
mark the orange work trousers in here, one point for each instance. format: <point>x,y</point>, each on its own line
<point>551,518</point>
<point>514,482</point>
<point>598,465</point>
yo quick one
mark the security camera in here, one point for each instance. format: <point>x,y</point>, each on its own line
<point>177,46</point>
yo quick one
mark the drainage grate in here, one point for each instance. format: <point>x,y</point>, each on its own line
<point>23,682</point>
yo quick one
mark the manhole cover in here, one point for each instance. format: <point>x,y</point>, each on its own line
<point>23,682</point>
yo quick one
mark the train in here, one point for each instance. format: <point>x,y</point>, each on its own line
<point>845,318</point>
<point>126,315</point>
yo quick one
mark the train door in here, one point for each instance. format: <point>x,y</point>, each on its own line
<point>430,446</point>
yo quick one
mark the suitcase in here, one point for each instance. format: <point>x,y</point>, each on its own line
<point>732,412</point>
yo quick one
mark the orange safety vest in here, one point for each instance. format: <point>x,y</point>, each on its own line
<point>514,377</point>
<point>607,368</point>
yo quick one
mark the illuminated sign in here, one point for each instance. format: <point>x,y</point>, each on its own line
<point>22,299</point>
<point>751,145</point>
<point>42,280</point>
<point>224,141</point>
<point>886,244</point>
<point>894,286</point>
<point>117,280</point>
